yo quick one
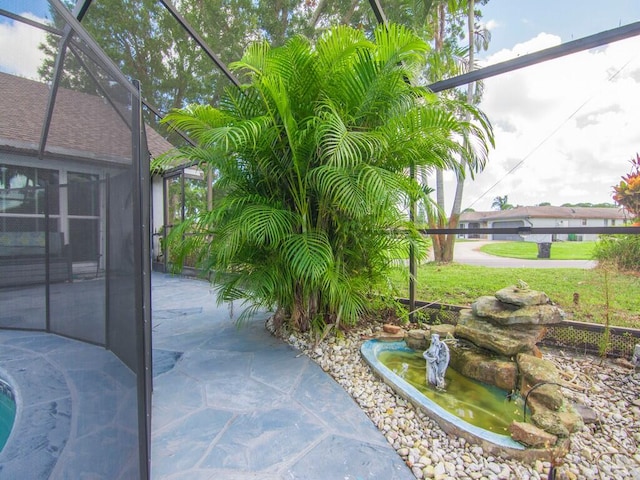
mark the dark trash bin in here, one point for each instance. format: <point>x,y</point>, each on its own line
<point>544,250</point>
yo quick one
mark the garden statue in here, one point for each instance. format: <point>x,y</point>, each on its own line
<point>636,356</point>
<point>437,357</point>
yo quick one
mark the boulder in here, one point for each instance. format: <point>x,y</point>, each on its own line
<point>390,337</point>
<point>504,340</point>
<point>558,423</point>
<point>417,339</point>
<point>531,435</point>
<point>443,330</point>
<point>534,371</point>
<point>420,339</point>
<point>491,307</point>
<point>588,414</point>
<point>390,328</point>
<point>482,366</point>
<point>521,297</point>
<point>508,314</point>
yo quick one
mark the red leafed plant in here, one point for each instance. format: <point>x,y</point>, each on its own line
<point>627,192</point>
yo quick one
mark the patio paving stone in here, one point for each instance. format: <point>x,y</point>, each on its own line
<point>286,417</point>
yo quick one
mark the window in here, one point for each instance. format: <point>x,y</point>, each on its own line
<point>84,216</point>
<point>584,221</point>
<point>613,222</point>
<point>22,190</point>
<point>83,194</point>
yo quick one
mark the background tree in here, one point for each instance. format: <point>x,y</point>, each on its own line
<point>453,13</point>
<point>501,203</point>
<point>149,45</point>
<point>312,155</point>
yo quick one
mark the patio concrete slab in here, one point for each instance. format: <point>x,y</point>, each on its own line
<point>237,403</point>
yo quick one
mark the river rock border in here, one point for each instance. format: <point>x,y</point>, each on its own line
<point>607,447</point>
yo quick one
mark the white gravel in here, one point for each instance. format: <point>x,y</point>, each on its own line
<point>607,449</point>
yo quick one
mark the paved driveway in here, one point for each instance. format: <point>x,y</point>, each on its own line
<point>468,252</point>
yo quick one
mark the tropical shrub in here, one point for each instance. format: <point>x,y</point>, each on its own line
<point>312,155</point>
<point>627,192</point>
<point>623,251</point>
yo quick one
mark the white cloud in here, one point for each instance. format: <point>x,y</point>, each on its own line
<point>567,122</point>
<point>19,53</point>
<point>492,25</point>
<point>540,42</point>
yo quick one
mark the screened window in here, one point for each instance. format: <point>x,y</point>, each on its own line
<point>22,189</point>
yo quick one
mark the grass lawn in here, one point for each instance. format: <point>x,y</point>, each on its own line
<point>529,250</point>
<point>458,284</point>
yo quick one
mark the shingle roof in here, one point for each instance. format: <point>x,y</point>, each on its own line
<point>82,125</point>
<point>545,212</point>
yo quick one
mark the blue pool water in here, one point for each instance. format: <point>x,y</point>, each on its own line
<point>7,412</point>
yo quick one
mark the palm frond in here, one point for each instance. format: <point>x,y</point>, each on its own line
<point>308,255</point>
<point>265,225</point>
<point>399,47</point>
<point>340,146</point>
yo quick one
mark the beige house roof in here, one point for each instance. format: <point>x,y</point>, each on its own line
<point>545,212</point>
<point>83,125</point>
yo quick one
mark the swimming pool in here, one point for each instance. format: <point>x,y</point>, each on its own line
<point>7,412</point>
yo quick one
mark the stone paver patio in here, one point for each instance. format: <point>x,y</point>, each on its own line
<point>228,403</point>
<point>241,404</point>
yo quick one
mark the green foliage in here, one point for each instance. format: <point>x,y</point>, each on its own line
<point>627,192</point>
<point>605,340</point>
<point>585,205</point>
<point>501,203</point>
<point>386,308</point>
<point>623,251</point>
<point>148,44</point>
<point>311,155</point>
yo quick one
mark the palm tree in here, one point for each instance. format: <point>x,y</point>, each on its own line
<point>478,38</point>
<point>501,203</point>
<point>312,155</point>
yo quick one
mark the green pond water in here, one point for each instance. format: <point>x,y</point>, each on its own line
<point>477,403</point>
<point>7,416</point>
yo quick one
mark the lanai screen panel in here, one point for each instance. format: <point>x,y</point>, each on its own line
<point>153,46</point>
<point>229,27</point>
<point>23,180</point>
<point>74,169</point>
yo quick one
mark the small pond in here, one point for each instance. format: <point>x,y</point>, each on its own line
<point>479,404</point>
<point>475,411</point>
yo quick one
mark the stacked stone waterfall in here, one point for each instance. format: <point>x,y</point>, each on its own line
<point>496,343</point>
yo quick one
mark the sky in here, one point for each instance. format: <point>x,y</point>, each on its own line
<point>564,130</point>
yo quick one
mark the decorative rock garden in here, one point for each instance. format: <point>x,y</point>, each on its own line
<point>605,439</point>
<point>495,342</point>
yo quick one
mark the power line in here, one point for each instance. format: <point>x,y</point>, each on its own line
<point>551,134</point>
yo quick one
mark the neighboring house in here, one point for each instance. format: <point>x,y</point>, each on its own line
<point>87,143</point>
<point>543,217</point>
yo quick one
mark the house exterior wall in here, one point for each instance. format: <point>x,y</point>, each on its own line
<point>473,224</point>
<point>512,223</point>
<point>573,219</point>
<point>157,216</point>
<point>91,223</point>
